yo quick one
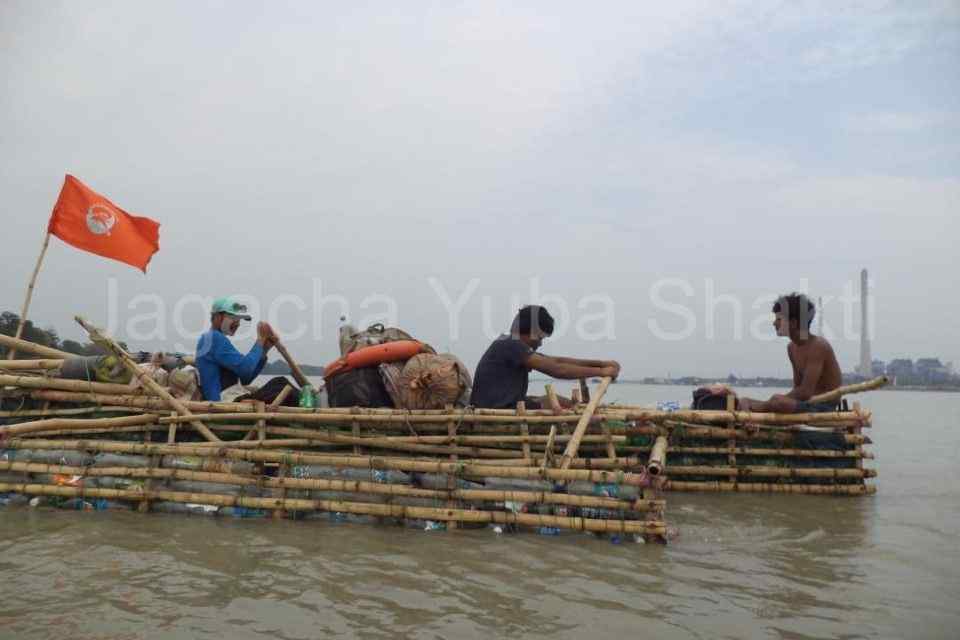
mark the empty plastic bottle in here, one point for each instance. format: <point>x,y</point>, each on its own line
<point>308,397</point>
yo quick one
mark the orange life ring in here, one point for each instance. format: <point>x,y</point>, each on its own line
<point>373,355</point>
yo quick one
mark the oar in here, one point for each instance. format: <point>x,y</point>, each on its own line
<point>294,367</point>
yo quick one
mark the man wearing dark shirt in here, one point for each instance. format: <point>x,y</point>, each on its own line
<point>502,376</point>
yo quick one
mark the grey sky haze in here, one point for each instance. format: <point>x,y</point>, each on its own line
<point>594,149</point>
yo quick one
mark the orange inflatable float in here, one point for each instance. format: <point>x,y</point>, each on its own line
<point>374,355</point>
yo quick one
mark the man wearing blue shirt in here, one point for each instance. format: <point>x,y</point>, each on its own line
<point>218,362</point>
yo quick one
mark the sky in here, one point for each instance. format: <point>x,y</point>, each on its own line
<point>651,172</point>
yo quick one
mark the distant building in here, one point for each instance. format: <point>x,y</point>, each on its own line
<point>864,369</point>
<point>931,371</point>
<point>879,368</point>
<point>901,370</point>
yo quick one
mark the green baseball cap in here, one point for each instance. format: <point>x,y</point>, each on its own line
<point>231,306</point>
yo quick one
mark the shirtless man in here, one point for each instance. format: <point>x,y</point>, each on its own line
<point>815,367</point>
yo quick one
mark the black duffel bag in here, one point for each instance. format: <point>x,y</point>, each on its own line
<point>358,388</point>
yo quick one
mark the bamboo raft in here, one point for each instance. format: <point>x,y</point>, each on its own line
<point>596,468</point>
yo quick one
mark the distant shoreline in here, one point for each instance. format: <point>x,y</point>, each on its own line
<point>784,385</point>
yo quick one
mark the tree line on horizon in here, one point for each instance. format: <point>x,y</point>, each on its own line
<point>48,337</point>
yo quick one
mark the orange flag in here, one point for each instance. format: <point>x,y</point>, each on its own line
<point>85,219</point>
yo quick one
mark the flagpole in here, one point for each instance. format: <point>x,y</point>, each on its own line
<point>26,303</point>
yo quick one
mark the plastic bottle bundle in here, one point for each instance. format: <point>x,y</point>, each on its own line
<point>243,512</point>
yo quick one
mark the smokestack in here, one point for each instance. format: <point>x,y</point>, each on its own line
<point>866,361</point>
<point>820,316</point>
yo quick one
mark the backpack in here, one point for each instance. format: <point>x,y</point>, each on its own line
<point>375,334</point>
<point>711,398</point>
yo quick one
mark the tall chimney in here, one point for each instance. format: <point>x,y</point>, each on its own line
<point>866,361</point>
<point>820,316</point>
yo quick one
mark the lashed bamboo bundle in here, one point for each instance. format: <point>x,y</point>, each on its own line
<point>361,487</point>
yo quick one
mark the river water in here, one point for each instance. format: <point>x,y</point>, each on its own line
<point>743,566</point>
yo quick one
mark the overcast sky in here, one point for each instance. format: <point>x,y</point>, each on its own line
<point>491,152</point>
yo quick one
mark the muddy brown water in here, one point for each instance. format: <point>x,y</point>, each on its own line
<point>754,566</point>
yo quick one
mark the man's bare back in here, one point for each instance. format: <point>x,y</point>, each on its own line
<point>815,355</point>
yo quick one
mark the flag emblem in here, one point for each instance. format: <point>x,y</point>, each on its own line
<point>100,219</point>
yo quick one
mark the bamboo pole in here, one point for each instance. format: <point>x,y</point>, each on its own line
<point>552,399</point>
<point>763,487</point>
<point>843,419</point>
<point>451,479</point>
<point>295,369</point>
<point>30,365</point>
<point>138,402</point>
<point>361,508</point>
<point>749,451</point>
<point>232,452</point>
<point>771,472</point>
<point>524,428</point>
<point>716,433</point>
<point>100,338</point>
<point>836,394</point>
<point>19,344</point>
<point>658,457</point>
<point>66,424</point>
<point>12,353</point>
<point>574,444</point>
<point>271,407</point>
<point>50,413</point>
<point>261,424</point>
<point>731,417</point>
<point>548,450</point>
<point>379,443</point>
<point>324,417</point>
<point>172,431</point>
<point>500,439</point>
<point>60,384</point>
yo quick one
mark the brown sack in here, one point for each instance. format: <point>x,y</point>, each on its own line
<point>430,381</point>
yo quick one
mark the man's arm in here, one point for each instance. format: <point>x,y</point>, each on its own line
<point>563,369</point>
<point>584,363</point>
<point>245,366</point>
